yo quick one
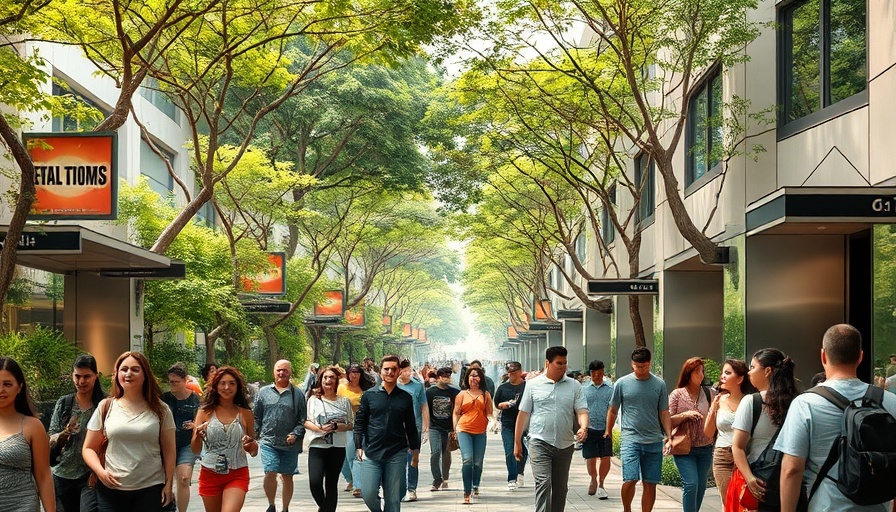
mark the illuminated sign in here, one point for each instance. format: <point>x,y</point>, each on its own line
<point>330,304</point>
<point>273,280</point>
<point>355,315</point>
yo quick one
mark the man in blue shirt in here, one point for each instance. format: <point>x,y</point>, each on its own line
<point>386,428</point>
<point>645,420</point>
<point>551,401</point>
<point>421,416</point>
<point>598,392</point>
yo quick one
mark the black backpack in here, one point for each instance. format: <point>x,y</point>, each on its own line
<point>768,467</point>
<point>866,448</point>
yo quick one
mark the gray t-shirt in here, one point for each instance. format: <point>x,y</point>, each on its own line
<point>598,398</point>
<point>765,429</point>
<point>640,403</point>
<point>809,431</point>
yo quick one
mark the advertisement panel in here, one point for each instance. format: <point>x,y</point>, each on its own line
<point>406,330</point>
<point>355,316</point>
<point>330,304</point>
<point>543,310</point>
<point>75,174</point>
<point>422,335</point>
<point>273,280</point>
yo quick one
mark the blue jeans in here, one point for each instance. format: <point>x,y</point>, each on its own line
<point>693,468</point>
<point>440,456</point>
<point>351,468</point>
<point>413,473</point>
<point>514,467</point>
<point>472,450</point>
<point>388,473</point>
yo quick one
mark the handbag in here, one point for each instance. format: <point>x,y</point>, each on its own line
<point>101,453</point>
<point>681,442</point>
<point>453,444</point>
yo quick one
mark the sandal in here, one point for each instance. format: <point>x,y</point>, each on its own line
<point>468,499</point>
<point>356,493</point>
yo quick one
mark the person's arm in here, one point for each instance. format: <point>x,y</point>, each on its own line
<point>40,462</point>
<point>709,425</point>
<point>791,480</point>
<point>739,454</point>
<point>522,421</point>
<point>258,412</point>
<point>250,445</point>
<point>301,416</point>
<point>611,421</point>
<point>489,406</point>
<point>458,404</point>
<point>666,422</point>
<point>410,428</point>
<point>55,420</point>
<point>169,454</point>
<point>93,440</point>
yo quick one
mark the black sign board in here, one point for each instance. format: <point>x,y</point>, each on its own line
<point>177,270</point>
<point>267,306</point>
<point>545,326</point>
<point>49,242</point>
<point>869,206</point>
<point>623,287</point>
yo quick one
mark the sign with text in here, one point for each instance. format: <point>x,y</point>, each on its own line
<point>75,175</point>
<point>272,281</point>
<point>545,326</point>
<point>623,287</point>
<point>49,242</point>
<point>330,304</point>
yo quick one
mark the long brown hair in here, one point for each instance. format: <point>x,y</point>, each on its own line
<point>151,391</point>
<point>479,372</point>
<point>687,369</point>
<point>212,399</point>
<point>23,403</point>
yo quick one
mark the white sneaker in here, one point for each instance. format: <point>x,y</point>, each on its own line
<point>519,480</point>
<point>602,493</point>
<point>511,486</point>
<point>412,495</point>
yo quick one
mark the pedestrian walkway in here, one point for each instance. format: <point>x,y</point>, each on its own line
<point>494,494</point>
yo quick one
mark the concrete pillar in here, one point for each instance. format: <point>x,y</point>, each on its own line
<point>625,336</point>
<point>596,333</point>
<point>574,343</point>
<point>100,317</point>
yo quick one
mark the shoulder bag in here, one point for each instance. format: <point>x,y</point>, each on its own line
<point>101,453</point>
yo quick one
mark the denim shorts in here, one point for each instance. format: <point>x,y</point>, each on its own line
<point>284,462</point>
<point>642,462</point>
<point>596,445</point>
<point>186,456</point>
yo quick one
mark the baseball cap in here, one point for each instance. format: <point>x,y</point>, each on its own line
<point>444,372</point>
<point>513,366</point>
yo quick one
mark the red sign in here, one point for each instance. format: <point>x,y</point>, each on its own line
<point>406,330</point>
<point>273,280</point>
<point>355,316</point>
<point>330,304</point>
<point>75,175</point>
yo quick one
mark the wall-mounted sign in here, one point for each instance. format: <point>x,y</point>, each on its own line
<point>177,270</point>
<point>267,307</point>
<point>330,304</point>
<point>543,309</point>
<point>623,287</point>
<point>406,330</point>
<point>421,336</point>
<point>48,242</point>
<point>355,316</point>
<point>75,174</point>
<point>512,332</point>
<point>821,204</point>
<point>272,281</point>
<point>545,326</point>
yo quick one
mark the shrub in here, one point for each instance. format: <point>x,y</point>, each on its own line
<point>46,359</point>
<point>164,354</point>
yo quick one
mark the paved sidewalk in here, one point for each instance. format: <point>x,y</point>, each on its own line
<point>494,494</point>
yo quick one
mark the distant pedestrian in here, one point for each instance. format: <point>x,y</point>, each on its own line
<point>310,380</point>
<point>598,392</point>
<point>421,417</point>
<point>472,410</point>
<point>644,401</point>
<point>771,372</point>
<point>549,406</point>
<point>734,384</point>
<point>385,428</point>
<point>813,425</point>
<point>184,403</point>
<point>689,405</point>
<point>507,400</point>
<point>280,414</point>
<point>440,398</point>
<point>224,434</point>
<point>329,422</point>
<point>208,371</point>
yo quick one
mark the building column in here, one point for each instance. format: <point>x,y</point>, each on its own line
<point>596,335</point>
<point>574,342</point>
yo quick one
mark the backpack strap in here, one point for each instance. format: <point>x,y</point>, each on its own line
<point>68,403</point>
<point>842,403</point>
<point>874,397</point>
<point>757,411</point>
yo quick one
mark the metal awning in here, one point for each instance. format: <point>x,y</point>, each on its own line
<point>65,249</point>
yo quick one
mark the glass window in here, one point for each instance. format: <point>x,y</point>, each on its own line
<point>151,92</point>
<point>824,55</point>
<point>81,115</point>
<point>645,172</point>
<point>581,249</point>
<point>704,128</point>
<point>151,166</point>
<point>607,230</point>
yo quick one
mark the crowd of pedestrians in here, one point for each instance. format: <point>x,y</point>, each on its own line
<point>769,446</point>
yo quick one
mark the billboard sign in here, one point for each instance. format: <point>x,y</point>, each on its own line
<point>272,281</point>
<point>330,304</point>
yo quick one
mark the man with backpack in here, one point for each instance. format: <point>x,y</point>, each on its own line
<point>858,417</point>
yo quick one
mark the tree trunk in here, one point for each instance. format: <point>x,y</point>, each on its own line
<point>634,311</point>
<point>166,238</point>
<point>24,202</point>
<point>337,347</point>
<point>209,349</point>
<point>273,347</point>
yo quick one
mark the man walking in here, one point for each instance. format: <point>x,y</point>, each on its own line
<point>421,418</point>
<point>507,399</point>
<point>440,399</point>
<point>598,393</point>
<point>386,428</point>
<point>549,404</point>
<point>813,423</point>
<point>645,421</point>
<point>279,420</point>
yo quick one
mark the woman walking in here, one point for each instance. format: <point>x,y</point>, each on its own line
<point>354,386</point>
<point>138,427</point>
<point>184,403</point>
<point>329,418</point>
<point>24,450</point>
<point>733,385</point>
<point>771,372</point>
<point>68,426</point>
<point>224,432</point>
<point>472,410</point>
<point>689,404</point>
